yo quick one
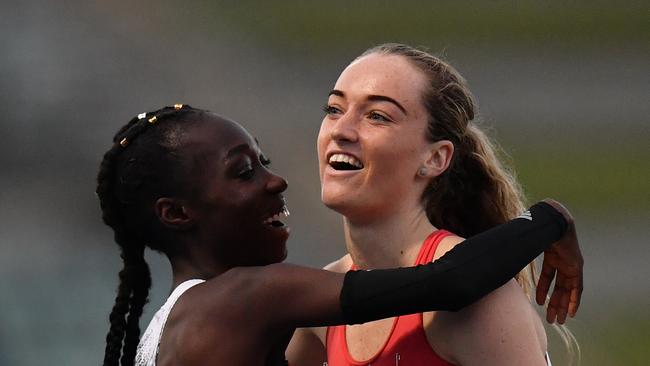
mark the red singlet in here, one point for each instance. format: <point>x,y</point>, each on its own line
<point>407,343</point>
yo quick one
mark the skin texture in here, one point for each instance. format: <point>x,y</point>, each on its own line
<point>385,223</point>
<point>244,298</point>
<point>388,138</point>
<point>227,163</point>
<point>234,188</point>
<point>567,291</point>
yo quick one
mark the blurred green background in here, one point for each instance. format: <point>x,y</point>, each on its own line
<point>563,87</point>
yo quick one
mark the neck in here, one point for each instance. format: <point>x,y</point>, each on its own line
<point>193,263</point>
<point>387,242</point>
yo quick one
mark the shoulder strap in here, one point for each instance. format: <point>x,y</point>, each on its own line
<point>150,341</point>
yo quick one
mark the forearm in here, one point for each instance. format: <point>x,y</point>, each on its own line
<point>472,269</point>
<point>289,295</point>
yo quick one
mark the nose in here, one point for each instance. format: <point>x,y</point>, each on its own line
<point>345,128</point>
<point>276,184</point>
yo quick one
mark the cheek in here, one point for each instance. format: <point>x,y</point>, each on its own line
<point>323,136</point>
<point>391,179</point>
<point>321,144</point>
<point>238,206</point>
<point>394,155</point>
<point>394,166</point>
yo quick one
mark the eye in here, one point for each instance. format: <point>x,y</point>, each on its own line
<point>328,109</point>
<point>247,173</point>
<point>375,116</point>
<point>265,161</point>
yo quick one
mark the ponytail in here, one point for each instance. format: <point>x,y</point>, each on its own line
<point>476,192</point>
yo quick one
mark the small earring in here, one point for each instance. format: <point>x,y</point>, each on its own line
<point>422,172</point>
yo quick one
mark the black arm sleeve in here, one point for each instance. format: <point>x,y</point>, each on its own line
<point>466,273</point>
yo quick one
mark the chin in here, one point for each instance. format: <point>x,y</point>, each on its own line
<point>335,196</point>
<point>345,207</point>
<point>284,256</point>
<point>359,211</point>
<point>336,203</point>
<point>280,255</point>
<point>278,258</point>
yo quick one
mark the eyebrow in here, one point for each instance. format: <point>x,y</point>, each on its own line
<point>372,98</point>
<point>239,149</point>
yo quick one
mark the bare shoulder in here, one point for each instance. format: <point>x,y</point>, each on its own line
<point>340,265</point>
<point>210,305</point>
<point>192,326</point>
<point>501,328</point>
<point>447,244</point>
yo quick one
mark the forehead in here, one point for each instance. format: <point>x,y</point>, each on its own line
<point>216,136</point>
<point>380,74</point>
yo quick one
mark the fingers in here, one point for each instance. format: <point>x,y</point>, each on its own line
<point>565,299</point>
<point>564,305</point>
<point>576,295</point>
<point>573,304</point>
<point>551,313</point>
<point>559,302</point>
<point>544,283</point>
<point>553,306</point>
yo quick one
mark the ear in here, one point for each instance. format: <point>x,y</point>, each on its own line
<point>437,159</point>
<point>173,213</point>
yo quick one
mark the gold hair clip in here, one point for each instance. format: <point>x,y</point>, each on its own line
<point>124,142</point>
<point>152,120</point>
<point>178,106</point>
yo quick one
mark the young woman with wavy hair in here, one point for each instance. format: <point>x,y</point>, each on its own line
<point>404,162</point>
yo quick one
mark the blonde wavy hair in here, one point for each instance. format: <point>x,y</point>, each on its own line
<point>478,191</point>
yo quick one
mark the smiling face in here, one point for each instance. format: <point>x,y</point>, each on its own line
<point>238,201</point>
<point>372,141</point>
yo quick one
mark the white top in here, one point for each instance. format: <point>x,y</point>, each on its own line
<point>548,359</point>
<point>150,341</point>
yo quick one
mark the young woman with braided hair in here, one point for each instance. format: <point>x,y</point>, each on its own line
<point>403,162</point>
<point>196,187</point>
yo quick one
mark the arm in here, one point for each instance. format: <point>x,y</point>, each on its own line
<point>469,271</point>
<point>307,347</point>
<point>300,297</point>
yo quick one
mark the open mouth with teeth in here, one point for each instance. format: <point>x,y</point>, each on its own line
<point>274,221</point>
<point>345,162</point>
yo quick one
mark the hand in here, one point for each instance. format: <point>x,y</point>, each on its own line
<point>563,260</point>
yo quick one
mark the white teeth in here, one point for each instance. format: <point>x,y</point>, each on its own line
<point>282,214</point>
<point>344,158</point>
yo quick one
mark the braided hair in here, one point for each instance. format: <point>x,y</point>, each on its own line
<point>142,165</point>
